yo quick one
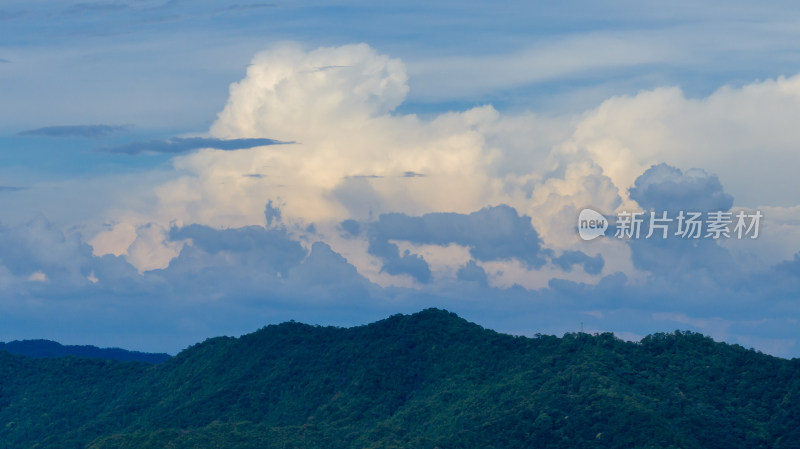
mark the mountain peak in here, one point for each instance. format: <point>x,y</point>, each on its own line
<point>422,380</point>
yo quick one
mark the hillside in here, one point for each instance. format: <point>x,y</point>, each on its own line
<point>425,380</point>
<point>48,349</point>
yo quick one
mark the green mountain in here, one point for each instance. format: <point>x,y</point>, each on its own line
<point>425,380</point>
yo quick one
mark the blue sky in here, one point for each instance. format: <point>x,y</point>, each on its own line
<point>171,171</point>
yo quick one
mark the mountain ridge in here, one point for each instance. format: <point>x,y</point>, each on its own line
<point>431,379</point>
<point>41,348</point>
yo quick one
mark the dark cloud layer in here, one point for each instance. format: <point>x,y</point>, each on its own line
<point>270,252</point>
<point>492,233</point>
<point>85,131</point>
<point>229,281</point>
<point>177,145</point>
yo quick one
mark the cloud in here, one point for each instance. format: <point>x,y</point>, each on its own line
<point>489,230</point>
<point>472,272</point>
<point>39,250</point>
<point>285,95</point>
<point>492,233</point>
<point>246,8</point>
<point>237,279</point>
<point>86,131</point>
<point>269,266</point>
<point>666,188</point>
<point>395,263</point>
<point>11,189</point>
<point>674,258</point>
<point>351,227</point>
<point>52,285</point>
<point>329,277</point>
<point>497,236</point>
<point>268,251</point>
<point>342,120</point>
<point>592,265</point>
<point>272,213</point>
<point>791,267</point>
<point>177,145</point>
<point>733,131</point>
<point>4,61</point>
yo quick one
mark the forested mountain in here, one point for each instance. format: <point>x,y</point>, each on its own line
<point>425,380</point>
<point>47,348</point>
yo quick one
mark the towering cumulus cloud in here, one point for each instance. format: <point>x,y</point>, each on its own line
<point>352,157</point>
<point>289,93</point>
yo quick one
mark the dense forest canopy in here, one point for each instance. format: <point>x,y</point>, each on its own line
<point>425,380</point>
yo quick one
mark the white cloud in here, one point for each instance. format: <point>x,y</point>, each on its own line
<point>38,277</point>
<point>352,152</point>
<point>152,247</point>
<point>745,135</point>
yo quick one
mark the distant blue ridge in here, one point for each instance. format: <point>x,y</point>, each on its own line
<point>41,349</point>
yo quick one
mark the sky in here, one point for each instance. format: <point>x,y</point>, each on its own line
<point>172,171</point>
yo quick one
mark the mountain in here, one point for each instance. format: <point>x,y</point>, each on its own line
<point>47,348</point>
<point>425,380</point>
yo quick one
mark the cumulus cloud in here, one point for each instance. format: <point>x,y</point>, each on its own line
<point>492,233</point>
<point>288,92</point>
<point>667,255</point>
<point>354,159</point>
<point>40,250</point>
<point>52,283</point>
<point>498,237</point>
<point>357,160</point>
<point>665,188</point>
<point>268,251</point>
<point>472,272</point>
<point>395,263</point>
<point>240,278</point>
<point>733,131</point>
